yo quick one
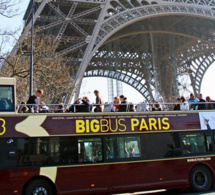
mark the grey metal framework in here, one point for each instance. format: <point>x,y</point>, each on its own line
<point>147,44</point>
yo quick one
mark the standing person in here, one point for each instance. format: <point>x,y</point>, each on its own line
<point>116,103</point>
<point>85,106</point>
<point>34,100</point>
<point>202,105</point>
<point>191,102</point>
<point>184,104</point>
<point>123,105</point>
<point>98,107</point>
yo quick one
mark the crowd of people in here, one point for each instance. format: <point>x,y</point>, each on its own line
<point>119,104</point>
<point>194,103</point>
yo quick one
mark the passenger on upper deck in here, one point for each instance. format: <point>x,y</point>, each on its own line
<point>210,103</point>
<point>43,108</point>
<point>156,107</point>
<point>99,107</point>
<point>75,107</point>
<point>85,105</point>
<point>60,108</point>
<point>202,104</point>
<point>23,108</point>
<point>191,102</point>
<point>116,105</point>
<point>178,105</point>
<point>184,104</point>
<point>123,105</point>
<point>131,107</point>
<point>35,101</point>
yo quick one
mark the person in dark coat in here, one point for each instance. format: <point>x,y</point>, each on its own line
<point>75,107</point>
<point>34,101</point>
<point>202,102</point>
<point>178,104</point>
<point>123,106</point>
<point>85,106</point>
<point>210,103</point>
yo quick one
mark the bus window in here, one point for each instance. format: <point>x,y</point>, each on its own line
<point>89,150</point>
<point>110,148</point>
<point>161,145</point>
<point>68,150</point>
<point>128,147</point>
<point>193,143</point>
<point>31,152</point>
<point>7,98</point>
<point>46,151</point>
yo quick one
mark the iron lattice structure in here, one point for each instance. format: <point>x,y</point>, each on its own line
<point>148,44</point>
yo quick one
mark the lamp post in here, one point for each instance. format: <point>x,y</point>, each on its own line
<point>32,51</point>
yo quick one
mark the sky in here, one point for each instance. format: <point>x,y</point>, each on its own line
<point>90,84</point>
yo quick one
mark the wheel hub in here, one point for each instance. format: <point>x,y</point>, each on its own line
<point>200,179</point>
<point>40,191</point>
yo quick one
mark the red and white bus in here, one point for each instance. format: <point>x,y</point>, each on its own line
<point>103,153</point>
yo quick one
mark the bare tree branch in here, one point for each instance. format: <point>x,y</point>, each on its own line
<point>8,8</point>
<point>51,72</point>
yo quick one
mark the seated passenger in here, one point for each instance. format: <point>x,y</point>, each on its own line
<point>85,105</point>
<point>156,107</point>
<point>178,104</point>
<point>210,103</point>
<point>60,108</point>
<point>192,102</point>
<point>193,146</point>
<point>131,107</point>
<point>131,152</point>
<point>23,108</point>
<point>123,105</point>
<point>43,108</point>
<point>116,105</point>
<point>184,104</point>
<point>75,107</point>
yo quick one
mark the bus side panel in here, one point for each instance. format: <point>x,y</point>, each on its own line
<point>15,179</point>
<point>122,177</point>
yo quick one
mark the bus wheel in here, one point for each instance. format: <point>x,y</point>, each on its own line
<point>39,187</point>
<point>200,179</point>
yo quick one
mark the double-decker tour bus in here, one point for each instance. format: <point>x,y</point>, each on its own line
<point>103,153</point>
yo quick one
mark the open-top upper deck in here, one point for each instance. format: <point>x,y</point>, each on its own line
<point>54,124</point>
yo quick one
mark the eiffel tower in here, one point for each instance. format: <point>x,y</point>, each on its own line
<point>148,44</point>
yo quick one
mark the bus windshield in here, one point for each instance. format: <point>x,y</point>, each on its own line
<point>6,98</point>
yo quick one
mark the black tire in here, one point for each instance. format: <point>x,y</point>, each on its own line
<point>39,187</point>
<point>201,179</point>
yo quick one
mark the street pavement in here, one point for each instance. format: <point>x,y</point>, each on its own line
<point>163,192</point>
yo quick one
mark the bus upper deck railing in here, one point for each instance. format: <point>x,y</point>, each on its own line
<point>111,107</point>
